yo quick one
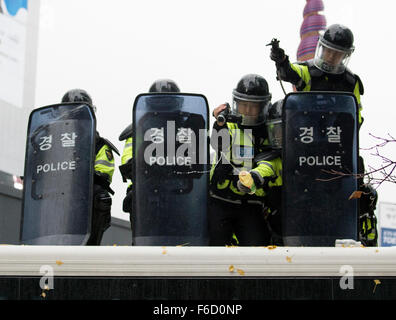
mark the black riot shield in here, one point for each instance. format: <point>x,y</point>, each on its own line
<point>58,180</point>
<point>320,156</point>
<point>170,169</point>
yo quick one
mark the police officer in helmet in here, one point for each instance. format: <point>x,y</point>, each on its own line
<point>158,86</point>
<point>104,169</point>
<point>234,209</point>
<point>274,124</point>
<point>368,234</point>
<point>328,70</point>
<point>270,164</point>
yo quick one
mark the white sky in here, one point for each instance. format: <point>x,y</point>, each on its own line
<point>116,49</point>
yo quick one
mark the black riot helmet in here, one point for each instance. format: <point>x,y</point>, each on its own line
<point>164,85</point>
<point>250,97</point>
<point>273,122</point>
<point>78,95</point>
<point>334,49</point>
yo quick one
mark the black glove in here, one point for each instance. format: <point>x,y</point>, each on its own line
<point>277,54</point>
<point>257,179</point>
<point>258,182</point>
<point>126,170</point>
<point>127,203</point>
<point>243,188</point>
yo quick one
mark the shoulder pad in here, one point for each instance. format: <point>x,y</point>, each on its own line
<point>301,63</point>
<point>127,133</point>
<point>314,71</point>
<point>350,77</point>
<point>361,88</point>
<point>308,63</point>
<point>112,147</point>
<point>268,155</point>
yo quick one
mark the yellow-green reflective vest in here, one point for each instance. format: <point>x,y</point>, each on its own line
<point>240,155</point>
<point>104,161</point>
<point>303,72</point>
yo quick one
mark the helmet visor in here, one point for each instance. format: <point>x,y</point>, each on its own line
<point>274,130</point>
<point>331,60</point>
<point>251,111</point>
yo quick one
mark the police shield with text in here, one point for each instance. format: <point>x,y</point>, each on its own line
<point>103,174</point>
<point>158,86</point>
<point>320,152</point>
<point>170,169</point>
<point>58,188</point>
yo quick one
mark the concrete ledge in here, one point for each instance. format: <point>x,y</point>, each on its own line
<point>191,262</point>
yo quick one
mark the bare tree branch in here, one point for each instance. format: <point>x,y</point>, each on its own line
<point>386,172</point>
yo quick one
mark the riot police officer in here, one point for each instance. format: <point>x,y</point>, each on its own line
<point>270,164</point>
<point>233,209</point>
<point>327,71</point>
<point>104,169</point>
<point>368,234</point>
<point>159,86</point>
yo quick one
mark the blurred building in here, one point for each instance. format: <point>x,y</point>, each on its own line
<point>19,26</point>
<point>19,33</point>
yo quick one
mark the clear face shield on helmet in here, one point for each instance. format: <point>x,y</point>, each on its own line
<point>274,130</point>
<point>251,110</point>
<point>330,59</point>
